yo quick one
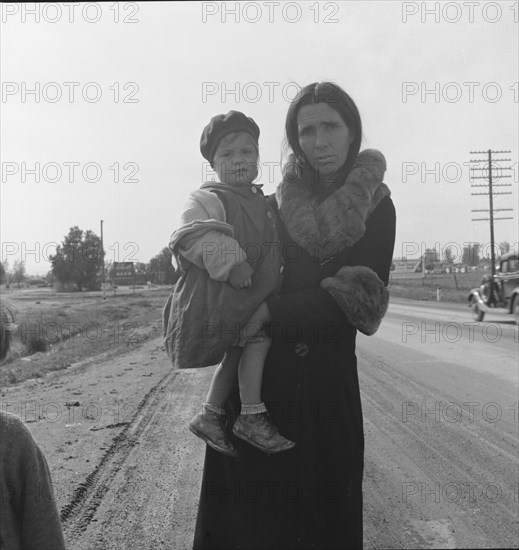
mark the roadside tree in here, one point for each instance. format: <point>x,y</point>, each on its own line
<point>79,260</point>
<point>160,268</point>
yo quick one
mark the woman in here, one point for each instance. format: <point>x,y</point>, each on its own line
<point>337,227</point>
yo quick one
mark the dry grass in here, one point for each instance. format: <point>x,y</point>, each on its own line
<point>454,287</point>
<point>56,330</point>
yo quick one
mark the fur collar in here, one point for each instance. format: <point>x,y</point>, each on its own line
<point>326,227</point>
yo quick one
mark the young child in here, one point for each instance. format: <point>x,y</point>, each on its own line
<point>227,251</point>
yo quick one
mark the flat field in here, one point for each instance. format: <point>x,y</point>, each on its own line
<point>454,287</point>
<point>57,330</point>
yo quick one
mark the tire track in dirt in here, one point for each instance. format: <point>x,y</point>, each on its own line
<point>153,499</point>
<point>79,512</point>
<point>144,491</point>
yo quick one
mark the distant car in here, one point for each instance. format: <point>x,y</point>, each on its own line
<point>500,293</point>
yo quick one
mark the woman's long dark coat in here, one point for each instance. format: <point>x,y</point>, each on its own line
<point>310,496</point>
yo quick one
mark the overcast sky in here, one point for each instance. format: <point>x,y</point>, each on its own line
<point>121,93</point>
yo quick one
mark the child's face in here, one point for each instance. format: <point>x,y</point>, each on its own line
<point>236,159</point>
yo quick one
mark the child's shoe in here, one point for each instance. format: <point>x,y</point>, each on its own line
<point>207,425</point>
<point>258,430</point>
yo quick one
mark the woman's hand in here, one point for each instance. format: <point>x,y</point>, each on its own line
<point>254,324</point>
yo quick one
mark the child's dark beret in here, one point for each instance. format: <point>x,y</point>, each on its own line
<point>223,125</point>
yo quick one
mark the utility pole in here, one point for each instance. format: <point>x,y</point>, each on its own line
<point>492,168</point>
<point>103,262</point>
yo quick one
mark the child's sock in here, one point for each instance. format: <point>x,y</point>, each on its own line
<point>211,407</point>
<point>253,408</point>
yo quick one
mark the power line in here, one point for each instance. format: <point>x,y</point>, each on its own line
<point>491,168</point>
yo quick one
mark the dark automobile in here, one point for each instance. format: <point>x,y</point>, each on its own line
<point>499,293</point>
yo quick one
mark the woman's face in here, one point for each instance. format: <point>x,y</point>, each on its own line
<point>324,137</point>
<point>236,159</point>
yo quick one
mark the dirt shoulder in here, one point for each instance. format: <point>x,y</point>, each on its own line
<point>82,417</point>
<point>75,414</point>
<point>126,468</point>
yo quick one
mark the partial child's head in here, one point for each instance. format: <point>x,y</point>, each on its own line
<point>230,143</point>
<point>7,327</point>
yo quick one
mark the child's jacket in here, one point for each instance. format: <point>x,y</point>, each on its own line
<point>227,233</point>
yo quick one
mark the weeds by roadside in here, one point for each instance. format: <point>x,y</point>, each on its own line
<point>453,287</point>
<point>56,331</point>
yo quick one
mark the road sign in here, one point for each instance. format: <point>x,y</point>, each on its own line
<point>124,273</point>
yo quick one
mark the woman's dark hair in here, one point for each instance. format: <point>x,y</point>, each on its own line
<point>337,99</point>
